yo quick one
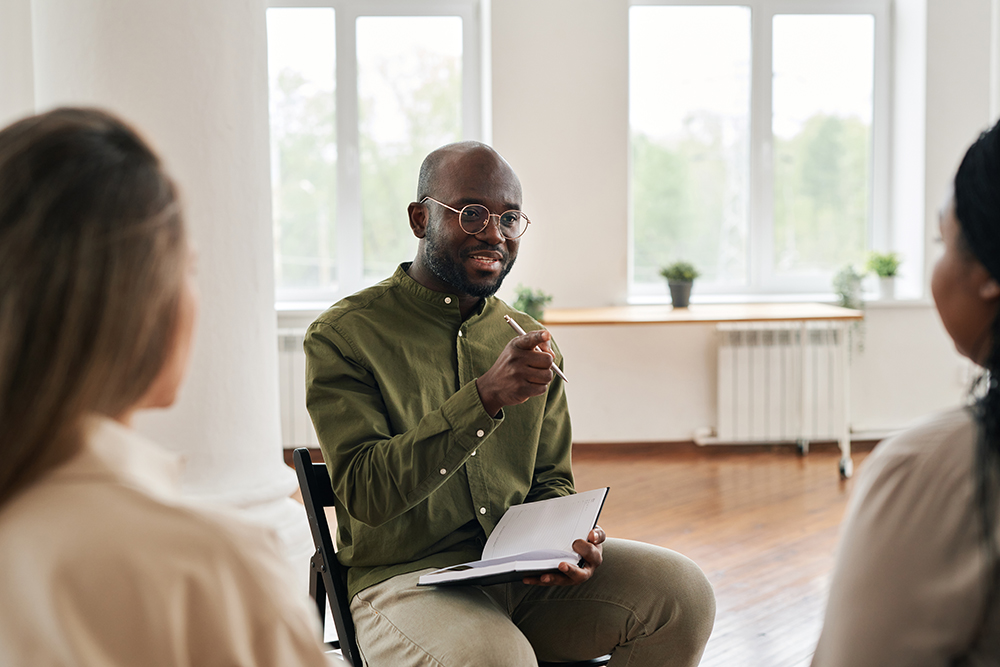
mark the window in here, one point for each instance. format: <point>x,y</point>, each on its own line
<point>758,146</point>
<point>360,92</point>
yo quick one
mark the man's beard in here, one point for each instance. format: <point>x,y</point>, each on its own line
<point>446,270</point>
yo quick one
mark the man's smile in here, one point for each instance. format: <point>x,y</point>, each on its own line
<point>486,260</point>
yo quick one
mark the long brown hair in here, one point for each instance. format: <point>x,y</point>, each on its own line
<point>92,249</point>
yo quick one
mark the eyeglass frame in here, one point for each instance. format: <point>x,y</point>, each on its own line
<point>489,218</point>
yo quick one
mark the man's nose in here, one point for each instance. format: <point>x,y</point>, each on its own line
<point>491,233</point>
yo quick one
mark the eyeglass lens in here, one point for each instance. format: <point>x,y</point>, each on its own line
<point>475,217</point>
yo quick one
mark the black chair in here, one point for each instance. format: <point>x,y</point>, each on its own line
<point>328,578</point>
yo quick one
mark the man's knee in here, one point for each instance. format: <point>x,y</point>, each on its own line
<point>694,598</point>
<point>674,589</point>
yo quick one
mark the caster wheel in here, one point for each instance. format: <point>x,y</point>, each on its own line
<point>846,468</point>
<point>803,446</point>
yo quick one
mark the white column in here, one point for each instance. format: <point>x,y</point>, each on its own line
<point>192,76</point>
<point>16,93</point>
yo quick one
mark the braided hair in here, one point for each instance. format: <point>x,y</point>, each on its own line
<point>977,208</point>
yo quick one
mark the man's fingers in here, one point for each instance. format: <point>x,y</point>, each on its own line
<point>541,377</point>
<point>568,575</point>
<point>532,339</point>
<point>539,361</point>
<point>589,552</point>
<point>546,347</point>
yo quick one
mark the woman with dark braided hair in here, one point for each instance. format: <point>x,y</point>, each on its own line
<point>916,581</point>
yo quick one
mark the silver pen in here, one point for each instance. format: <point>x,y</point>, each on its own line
<point>521,332</point>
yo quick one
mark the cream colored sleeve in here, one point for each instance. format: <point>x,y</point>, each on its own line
<point>251,611</point>
<point>905,589</point>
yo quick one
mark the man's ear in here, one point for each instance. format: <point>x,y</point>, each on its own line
<point>418,219</point>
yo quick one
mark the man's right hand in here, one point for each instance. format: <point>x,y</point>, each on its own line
<point>519,373</point>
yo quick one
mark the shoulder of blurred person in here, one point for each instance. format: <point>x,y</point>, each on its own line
<point>910,573</point>
<point>115,568</point>
<point>944,441</point>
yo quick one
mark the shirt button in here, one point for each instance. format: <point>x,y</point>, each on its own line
<point>459,334</point>
<point>473,453</point>
<point>480,433</point>
<point>443,471</point>
<point>447,299</point>
<point>482,510</point>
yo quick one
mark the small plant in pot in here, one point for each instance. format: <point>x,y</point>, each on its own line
<point>885,265</point>
<point>531,301</point>
<point>680,276</point>
<point>847,285</point>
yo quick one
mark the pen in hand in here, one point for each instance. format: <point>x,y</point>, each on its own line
<point>520,332</point>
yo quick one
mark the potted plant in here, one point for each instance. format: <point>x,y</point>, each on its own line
<point>885,265</point>
<point>847,285</point>
<point>531,301</point>
<point>680,276</point>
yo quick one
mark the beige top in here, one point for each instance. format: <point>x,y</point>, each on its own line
<point>908,587</point>
<point>101,563</point>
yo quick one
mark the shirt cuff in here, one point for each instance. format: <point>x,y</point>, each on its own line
<point>469,421</point>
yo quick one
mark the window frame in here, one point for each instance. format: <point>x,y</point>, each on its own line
<point>762,284</point>
<point>350,234</point>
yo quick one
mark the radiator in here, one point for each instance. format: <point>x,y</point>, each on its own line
<point>296,427</point>
<point>784,381</point>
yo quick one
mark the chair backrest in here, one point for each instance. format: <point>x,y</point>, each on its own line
<point>327,577</point>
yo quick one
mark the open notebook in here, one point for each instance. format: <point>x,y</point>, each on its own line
<point>530,539</point>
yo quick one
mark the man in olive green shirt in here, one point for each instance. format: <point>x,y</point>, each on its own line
<point>434,418</point>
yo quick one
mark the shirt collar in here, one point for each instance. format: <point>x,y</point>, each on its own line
<point>445,301</point>
<point>111,447</point>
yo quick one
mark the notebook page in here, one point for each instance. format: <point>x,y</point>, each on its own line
<point>547,524</point>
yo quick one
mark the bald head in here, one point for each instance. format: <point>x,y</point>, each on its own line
<point>440,165</point>
<point>449,258</point>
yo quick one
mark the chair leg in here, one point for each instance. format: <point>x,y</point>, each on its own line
<point>317,590</point>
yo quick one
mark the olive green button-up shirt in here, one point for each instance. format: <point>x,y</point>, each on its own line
<point>421,472</point>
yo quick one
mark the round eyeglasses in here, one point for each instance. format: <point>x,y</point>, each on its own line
<point>474,218</point>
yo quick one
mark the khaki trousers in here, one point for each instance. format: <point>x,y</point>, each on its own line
<point>646,605</point>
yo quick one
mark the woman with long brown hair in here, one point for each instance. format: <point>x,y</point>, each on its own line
<point>101,561</point>
<point>916,581</point>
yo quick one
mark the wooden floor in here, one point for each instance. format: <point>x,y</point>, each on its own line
<point>761,523</point>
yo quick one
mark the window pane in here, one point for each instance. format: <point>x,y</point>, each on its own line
<point>301,69</point>
<point>822,120</point>
<point>689,97</point>
<point>410,102</point>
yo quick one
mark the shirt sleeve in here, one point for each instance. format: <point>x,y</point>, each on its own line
<point>905,587</point>
<point>378,475</point>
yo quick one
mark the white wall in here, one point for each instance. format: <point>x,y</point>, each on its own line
<point>16,74</point>
<point>560,116</point>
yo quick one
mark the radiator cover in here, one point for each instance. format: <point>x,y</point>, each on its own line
<point>784,381</point>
